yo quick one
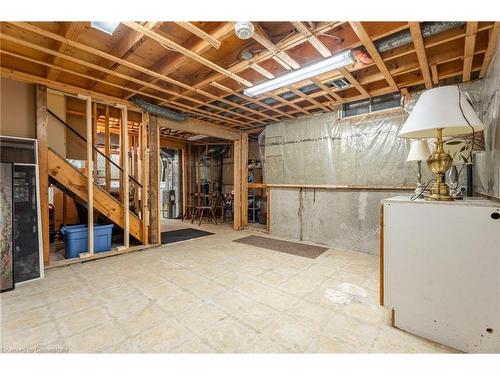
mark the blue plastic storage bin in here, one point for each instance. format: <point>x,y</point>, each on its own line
<point>76,239</point>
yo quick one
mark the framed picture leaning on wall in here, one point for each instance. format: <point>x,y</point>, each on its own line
<point>6,227</point>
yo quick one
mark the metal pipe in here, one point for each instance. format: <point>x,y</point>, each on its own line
<point>158,110</point>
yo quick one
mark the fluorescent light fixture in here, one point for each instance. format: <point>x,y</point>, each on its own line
<point>197,137</point>
<point>334,62</point>
<point>105,27</point>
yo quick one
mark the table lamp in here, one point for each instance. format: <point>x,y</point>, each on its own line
<point>419,150</point>
<point>441,112</point>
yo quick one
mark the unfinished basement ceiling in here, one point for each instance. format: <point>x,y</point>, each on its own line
<point>206,80</point>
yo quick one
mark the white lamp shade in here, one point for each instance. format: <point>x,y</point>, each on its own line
<point>419,150</point>
<point>439,108</point>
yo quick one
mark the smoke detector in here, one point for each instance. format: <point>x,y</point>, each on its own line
<point>244,30</point>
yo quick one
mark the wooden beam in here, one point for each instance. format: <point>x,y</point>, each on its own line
<point>372,50</point>
<point>168,64</point>
<point>200,33</point>
<point>48,34</point>
<point>418,42</point>
<point>120,100</point>
<point>260,36</point>
<point>164,41</point>
<point>126,185</point>
<point>434,74</point>
<point>72,32</point>
<point>126,46</point>
<point>313,39</point>
<point>470,42</point>
<point>154,179</point>
<point>251,100</point>
<point>63,87</point>
<point>42,141</point>
<point>237,179</point>
<point>244,179</point>
<point>90,177</point>
<point>490,51</point>
<point>354,81</point>
<point>144,177</point>
<point>195,126</point>
<point>262,71</point>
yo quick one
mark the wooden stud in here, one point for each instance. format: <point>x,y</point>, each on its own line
<point>107,149</point>
<point>434,74</point>
<point>154,179</point>
<point>237,198</point>
<point>418,42</point>
<point>90,177</point>
<point>42,140</point>
<point>144,177</point>
<point>124,150</point>
<point>244,179</point>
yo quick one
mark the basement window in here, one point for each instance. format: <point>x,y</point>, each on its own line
<point>374,104</point>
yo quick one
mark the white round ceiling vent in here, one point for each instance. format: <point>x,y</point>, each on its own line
<point>244,30</point>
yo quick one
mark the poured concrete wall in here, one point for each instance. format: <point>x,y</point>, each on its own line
<point>339,219</point>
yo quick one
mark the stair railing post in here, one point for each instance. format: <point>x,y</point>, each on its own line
<point>90,175</point>
<point>125,179</point>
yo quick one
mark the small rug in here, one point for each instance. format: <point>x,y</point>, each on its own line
<point>294,248</point>
<point>182,235</point>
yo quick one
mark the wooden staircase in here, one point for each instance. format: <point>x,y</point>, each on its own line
<point>75,182</point>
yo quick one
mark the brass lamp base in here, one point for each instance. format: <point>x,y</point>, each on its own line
<point>439,162</point>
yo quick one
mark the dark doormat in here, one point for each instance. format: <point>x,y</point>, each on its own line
<point>294,248</point>
<point>182,235</point>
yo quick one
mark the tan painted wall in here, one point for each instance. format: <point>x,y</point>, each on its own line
<point>17,109</point>
<point>56,102</point>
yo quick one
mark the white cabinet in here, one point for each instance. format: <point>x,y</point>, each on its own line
<point>441,270</point>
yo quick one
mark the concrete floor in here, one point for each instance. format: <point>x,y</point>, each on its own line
<point>206,295</point>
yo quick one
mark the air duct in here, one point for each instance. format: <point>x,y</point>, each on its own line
<point>158,110</point>
<point>404,37</point>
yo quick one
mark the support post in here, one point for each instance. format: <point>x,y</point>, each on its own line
<point>90,177</point>
<point>244,179</point>
<point>237,184</point>
<point>126,188</point>
<point>154,179</point>
<point>41,135</point>
<point>144,177</point>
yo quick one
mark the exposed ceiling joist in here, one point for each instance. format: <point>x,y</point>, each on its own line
<point>178,48</point>
<point>470,42</point>
<point>72,32</point>
<point>492,45</point>
<point>189,26</point>
<point>372,50</point>
<point>418,42</point>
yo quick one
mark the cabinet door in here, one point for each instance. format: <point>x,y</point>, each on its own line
<point>26,245</point>
<point>442,272</point>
